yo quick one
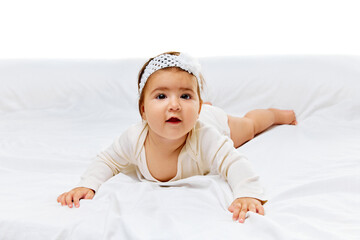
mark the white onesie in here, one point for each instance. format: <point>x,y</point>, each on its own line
<point>206,151</point>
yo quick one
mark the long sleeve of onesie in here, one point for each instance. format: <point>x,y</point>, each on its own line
<point>108,163</point>
<point>233,166</point>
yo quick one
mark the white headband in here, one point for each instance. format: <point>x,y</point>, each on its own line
<point>182,61</point>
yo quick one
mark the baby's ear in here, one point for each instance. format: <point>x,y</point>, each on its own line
<point>143,115</point>
<point>200,105</point>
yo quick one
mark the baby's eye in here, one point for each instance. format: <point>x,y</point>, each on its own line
<point>186,96</point>
<point>161,96</point>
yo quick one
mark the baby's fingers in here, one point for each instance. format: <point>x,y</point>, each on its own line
<point>69,199</point>
<point>61,199</point>
<point>90,194</point>
<point>260,209</point>
<point>236,212</point>
<point>77,197</point>
<point>242,215</point>
<point>252,208</point>
<point>231,208</point>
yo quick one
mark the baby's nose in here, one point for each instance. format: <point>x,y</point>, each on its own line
<point>174,105</point>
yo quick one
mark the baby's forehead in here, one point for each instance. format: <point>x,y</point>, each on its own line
<point>173,75</point>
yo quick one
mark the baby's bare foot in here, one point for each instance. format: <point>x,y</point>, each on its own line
<point>284,116</point>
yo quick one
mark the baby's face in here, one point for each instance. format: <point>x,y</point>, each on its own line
<point>171,103</point>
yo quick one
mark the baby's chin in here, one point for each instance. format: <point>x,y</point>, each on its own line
<point>176,137</point>
<point>169,135</point>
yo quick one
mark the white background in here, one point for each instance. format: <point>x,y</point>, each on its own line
<point>139,28</point>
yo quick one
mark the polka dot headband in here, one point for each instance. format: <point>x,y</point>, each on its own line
<point>183,61</point>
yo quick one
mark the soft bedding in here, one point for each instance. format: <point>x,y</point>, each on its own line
<point>56,115</point>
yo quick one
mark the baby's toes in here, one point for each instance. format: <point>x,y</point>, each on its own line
<point>289,117</point>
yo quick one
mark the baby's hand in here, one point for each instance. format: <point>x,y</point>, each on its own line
<point>75,195</point>
<point>241,206</point>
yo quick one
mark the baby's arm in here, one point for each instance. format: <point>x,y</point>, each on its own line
<point>107,164</point>
<point>225,160</point>
<point>248,193</point>
<point>97,173</point>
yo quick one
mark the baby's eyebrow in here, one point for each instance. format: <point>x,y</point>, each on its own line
<point>159,89</point>
<point>165,89</point>
<point>187,89</point>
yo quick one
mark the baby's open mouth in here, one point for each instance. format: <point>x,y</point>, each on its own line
<point>173,120</point>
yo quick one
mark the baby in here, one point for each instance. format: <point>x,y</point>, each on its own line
<point>181,137</point>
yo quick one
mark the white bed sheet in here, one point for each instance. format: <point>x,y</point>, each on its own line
<point>56,115</point>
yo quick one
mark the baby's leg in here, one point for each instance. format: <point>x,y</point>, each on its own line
<point>243,129</point>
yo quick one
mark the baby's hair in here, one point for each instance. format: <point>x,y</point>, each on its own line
<point>141,98</point>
